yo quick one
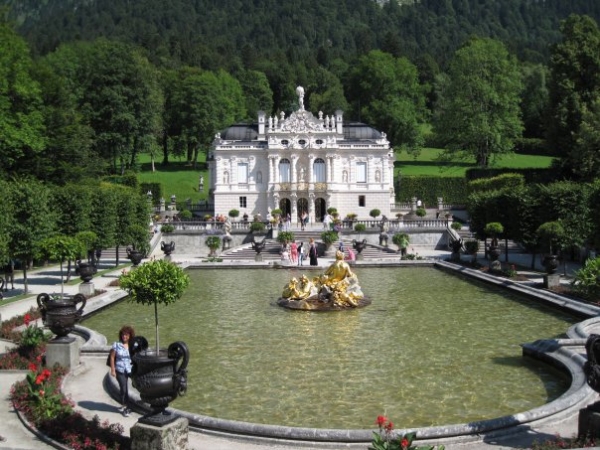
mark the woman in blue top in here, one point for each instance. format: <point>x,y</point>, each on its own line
<point>120,364</point>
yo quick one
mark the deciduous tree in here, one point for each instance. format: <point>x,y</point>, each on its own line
<point>478,107</point>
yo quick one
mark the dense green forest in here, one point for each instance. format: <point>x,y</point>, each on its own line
<point>225,34</point>
<point>88,86</point>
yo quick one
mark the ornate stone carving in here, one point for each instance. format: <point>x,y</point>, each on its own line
<point>301,122</point>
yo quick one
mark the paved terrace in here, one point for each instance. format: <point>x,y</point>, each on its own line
<point>92,389</point>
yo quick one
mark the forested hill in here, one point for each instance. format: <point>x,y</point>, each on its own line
<point>232,33</point>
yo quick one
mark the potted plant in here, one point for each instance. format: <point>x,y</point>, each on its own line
<point>329,237</point>
<point>471,248</point>
<point>549,236</point>
<point>233,213</point>
<point>360,227</point>
<point>186,214</point>
<point>285,236</point>
<point>351,217</point>
<point>421,212</point>
<point>257,227</point>
<point>456,225</point>
<point>213,243</point>
<point>401,240</point>
<point>493,229</point>
<point>159,375</point>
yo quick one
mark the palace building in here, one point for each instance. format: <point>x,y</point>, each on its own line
<point>302,163</point>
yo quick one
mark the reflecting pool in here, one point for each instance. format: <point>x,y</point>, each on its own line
<point>432,349</point>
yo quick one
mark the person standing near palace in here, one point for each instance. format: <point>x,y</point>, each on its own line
<point>312,253</point>
<point>120,365</point>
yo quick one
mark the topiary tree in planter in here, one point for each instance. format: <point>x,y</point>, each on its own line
<point>456,226</point>
<point>167,228</point>
<point>421,212</point>
<point>471,248</point>
<point>401,240</point>
<point>375,213</point>
<point>360,227</point>
<point>493,230</point>
<point>550,236</point>
<point>160,375</point>
<point>234,213</point>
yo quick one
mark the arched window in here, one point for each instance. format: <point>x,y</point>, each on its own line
<point>319,174</point>
<point>284,171</point>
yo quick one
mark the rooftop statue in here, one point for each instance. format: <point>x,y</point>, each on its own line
<point>336,289</point>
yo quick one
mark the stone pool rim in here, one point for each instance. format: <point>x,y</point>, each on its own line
<point>564,354</point>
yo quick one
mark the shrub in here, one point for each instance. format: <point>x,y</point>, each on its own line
<point>421,212</point>
<point>586,281</point>
<point>401,240</point>
<point>471,246</point>
<point>329,237</point>
<point>167,228</point>
<point>550,234</point>
<point>456,225</point>
<point>285,236</point>
<point>186,214</point>
<point>234,213</point>
<point>360,227</point>
<point>351,216</point>
<point>257,227</point>
<point>332,211</point>
<point>374,213</point>
<point>276,212</point>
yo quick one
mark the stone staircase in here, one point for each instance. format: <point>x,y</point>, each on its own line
<point>272,251</point>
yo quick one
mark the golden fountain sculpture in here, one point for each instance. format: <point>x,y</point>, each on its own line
<point>336,289</point>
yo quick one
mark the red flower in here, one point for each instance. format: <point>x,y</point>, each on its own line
<point>27,319</point>
<point>39,379</point>
<point>389,427</point>
<point>46,373</point>
<point>32,367</point>
<point>381,420</point>
<point>404,443</point>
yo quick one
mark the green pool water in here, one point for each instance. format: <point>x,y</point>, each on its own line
<point>432,349</point>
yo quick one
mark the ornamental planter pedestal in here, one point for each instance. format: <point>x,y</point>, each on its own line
<point>359,246</point>
<point>167,248</point>
<point>135,256</point>
<point>61,316</point>
<point>86,273</point>
<point>160,379</point>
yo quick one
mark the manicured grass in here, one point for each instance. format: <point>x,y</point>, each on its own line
<point>427,165</point>
<point>177,178</point>
<point>180,179</point>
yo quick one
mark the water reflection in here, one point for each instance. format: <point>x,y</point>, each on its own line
<point>432,349</point>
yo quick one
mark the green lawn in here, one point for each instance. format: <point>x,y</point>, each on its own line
<point>427,165</point>
<point>182,180</point>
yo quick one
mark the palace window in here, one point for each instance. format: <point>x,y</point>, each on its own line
<point>319,173</point>
<point>284,171</point>
<point>361,201</point>
<point>361,172</point>
<point>242,173</point>
<point>243,202</point>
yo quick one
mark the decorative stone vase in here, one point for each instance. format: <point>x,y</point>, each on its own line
<point>167,248</point>
<point>359,246</point>
<point>135,256</point>
<point>61,315</point>
<point>494,253</point>
<point>86,271</point>
<point>160,379</point>
<point>550,263</point>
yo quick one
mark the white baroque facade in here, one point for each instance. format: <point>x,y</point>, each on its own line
<point>302,163</point>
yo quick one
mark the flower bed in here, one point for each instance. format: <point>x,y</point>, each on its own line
<point>39,400</point>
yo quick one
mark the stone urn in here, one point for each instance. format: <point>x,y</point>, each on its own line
<point>494,253</point>
<point>359,246</point>
<point>135,256</point>
<point>550,263</point>
<point>167,247</point>
<point>160,379</point>
<point>61,314</point>
<point>86,271</point>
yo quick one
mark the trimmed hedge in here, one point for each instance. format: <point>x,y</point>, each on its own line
<point>454,190</point>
